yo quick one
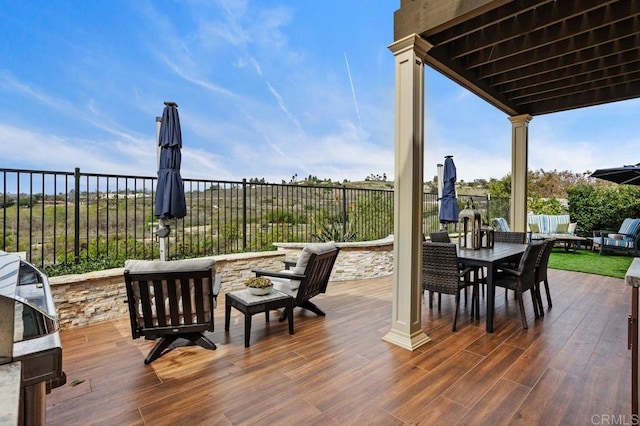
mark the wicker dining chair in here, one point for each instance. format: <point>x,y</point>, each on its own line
<point>522,279</point>
<point>541,272</point>
<point>441,274</point>
<point>478,271</point>
<point>439,237</point>
<point>511,237</point>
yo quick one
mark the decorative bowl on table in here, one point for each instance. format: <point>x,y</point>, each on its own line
<point>259,286</point>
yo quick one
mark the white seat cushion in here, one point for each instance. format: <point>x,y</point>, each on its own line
<point>307,251</point>
<point>284,285</point>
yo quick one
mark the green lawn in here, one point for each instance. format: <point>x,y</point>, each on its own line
<point>610,264</point>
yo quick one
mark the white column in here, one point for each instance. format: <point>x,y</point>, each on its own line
<point>406,327</point>
<point>519,168</point>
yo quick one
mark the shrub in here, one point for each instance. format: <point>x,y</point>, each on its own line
<point>603,207</point>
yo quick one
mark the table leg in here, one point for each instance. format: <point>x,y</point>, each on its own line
<point>227,313</point>
<point>491,291</point>
<point>247,329</point>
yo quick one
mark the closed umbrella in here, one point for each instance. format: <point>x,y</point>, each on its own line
<point>627,175</point>
<point>448,202</point>
<point>440,171</point>
<point>170,199</point>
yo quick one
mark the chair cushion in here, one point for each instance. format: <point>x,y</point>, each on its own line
<point>500,224</point>
<point>572,228</point>
<point>307,251</point>
<point>152,266</point>
<point>562,228</point>
<point>630,226</point>
<point>533,227</point>
<point>284,285</point>
<point>555,220</point>
<point>291,285</point>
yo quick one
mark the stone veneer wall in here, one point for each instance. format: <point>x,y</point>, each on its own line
<point>83,299</point>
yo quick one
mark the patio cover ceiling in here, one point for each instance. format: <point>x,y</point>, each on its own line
<point>531,56</point>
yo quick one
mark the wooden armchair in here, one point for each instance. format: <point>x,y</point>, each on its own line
<point>308,278</point>
<point>171,300</point>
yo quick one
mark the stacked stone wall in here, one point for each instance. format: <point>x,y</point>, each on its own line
<point>83,299</point>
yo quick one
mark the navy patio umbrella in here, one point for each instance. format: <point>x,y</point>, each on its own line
<point>170,199</point>
<point>448,202</point>
<point>626,175</point>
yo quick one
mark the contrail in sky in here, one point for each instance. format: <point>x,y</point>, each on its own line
<point>353,90</point>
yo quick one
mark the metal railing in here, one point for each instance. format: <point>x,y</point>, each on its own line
<point>60,217</point>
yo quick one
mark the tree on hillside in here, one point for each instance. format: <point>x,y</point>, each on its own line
<point>500,187</point>
<point>541,183</point>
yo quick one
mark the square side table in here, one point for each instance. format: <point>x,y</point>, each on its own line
<point>250,304</point>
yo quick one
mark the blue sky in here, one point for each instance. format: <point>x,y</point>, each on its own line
<point>265,89</point>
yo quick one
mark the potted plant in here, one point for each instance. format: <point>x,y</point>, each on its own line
<point>259,286</point>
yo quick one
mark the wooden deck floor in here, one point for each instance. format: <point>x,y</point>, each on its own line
<point>572,367</point>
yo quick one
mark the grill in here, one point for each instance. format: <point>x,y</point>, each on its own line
<point>29,335</point>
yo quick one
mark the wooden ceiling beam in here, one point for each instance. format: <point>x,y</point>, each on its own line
<point>582,48</point>
<point>485,21</point>
<point>586,82</point>
<point>584,99</point>
<point>555,80</point>
<point>561,68</point>
<point>595,27</point>
<point>605,23</point>
<point>426,17</point>
<point>542,22</point>
<point>467,81</point>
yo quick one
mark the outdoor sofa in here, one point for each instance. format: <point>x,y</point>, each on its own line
<point>547,225</point>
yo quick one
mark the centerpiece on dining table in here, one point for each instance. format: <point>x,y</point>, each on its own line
<point>259,286</point>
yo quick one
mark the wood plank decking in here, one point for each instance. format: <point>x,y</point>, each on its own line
<point>572,367</point>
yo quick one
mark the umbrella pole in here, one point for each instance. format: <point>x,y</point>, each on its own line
<point>161,223</point>
<point>163,242</point>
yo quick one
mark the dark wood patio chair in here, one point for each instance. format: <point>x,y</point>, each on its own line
<point>171,300</point>
<point>441,273</point>
<point>522,279</point>
<point>308,278</point>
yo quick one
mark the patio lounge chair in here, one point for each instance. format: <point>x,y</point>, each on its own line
<point>627,238</point>
<point>171,300</point>
<point>308,278</point>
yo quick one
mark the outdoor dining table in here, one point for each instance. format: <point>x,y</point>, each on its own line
<point>491,258</point>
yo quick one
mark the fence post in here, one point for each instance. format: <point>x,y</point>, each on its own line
<point>488,209</point>
<point>76,219</point>
<point>344,211</point>
<point>244,214</point>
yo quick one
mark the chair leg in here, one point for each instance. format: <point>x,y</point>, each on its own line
<point>167,341</point>
<point>430,299</point>
<point>523,316</point>
<point>313,308</point>
<point>439,301</point>
<point>534,302</point>
<point>546,289</point>
<point>538,299</point>
<point>455,315</point>
<point>475,301</point>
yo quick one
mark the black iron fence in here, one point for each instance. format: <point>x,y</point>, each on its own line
<point>60,217</point>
